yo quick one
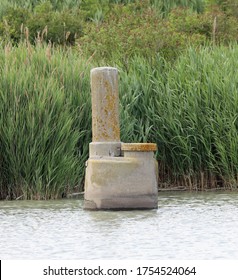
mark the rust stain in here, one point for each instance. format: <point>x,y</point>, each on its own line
<point>139,147</point>
<point>105,109</point>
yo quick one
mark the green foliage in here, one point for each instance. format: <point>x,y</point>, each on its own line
<point>94,9</point>
<point>182,98</point>
<point>190,110</point>
<point>45,123</point>
<point>136,29</point>
<point>44,24</point>
<point>31,4</point>
<point>213,24</point>
<point>164,7</point>
<point>4,6</point>
<point>60,27</point>
<point>128,31</point>
<point>229,6</point>
<point>128,27</point>
<point>11,25</point>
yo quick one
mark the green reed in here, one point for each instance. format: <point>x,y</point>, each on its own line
<point>45,121</point>
<point>164,6</point>
<point>31,4</point>
<point>189,108</point>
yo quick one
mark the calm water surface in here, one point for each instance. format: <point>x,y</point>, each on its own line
<point>185,226</point>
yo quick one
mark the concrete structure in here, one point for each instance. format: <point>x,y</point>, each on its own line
<point>118,175</point>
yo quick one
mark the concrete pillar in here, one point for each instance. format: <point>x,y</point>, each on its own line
<point>118,175</point>
<point>105,103</point>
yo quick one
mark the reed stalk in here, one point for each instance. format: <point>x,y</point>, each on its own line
<point>45,122</point>
<point>189,108</point>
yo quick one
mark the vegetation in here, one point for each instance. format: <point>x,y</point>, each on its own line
<point>112,28</point>
<point>45,121</point>
<point>177,62</point>
<point>190,110</point>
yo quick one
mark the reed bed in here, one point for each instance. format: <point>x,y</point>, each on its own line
<point>189,108</point>
<point>45,123</point>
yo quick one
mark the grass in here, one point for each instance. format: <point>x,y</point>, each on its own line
<point>31,4</point>
<point>45,121</point>
<point>189,108</point>
<point>162,6</point>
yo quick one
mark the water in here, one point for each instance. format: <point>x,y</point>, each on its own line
<point>185,226</point>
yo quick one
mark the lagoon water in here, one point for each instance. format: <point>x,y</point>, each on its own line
<point>185,226</point>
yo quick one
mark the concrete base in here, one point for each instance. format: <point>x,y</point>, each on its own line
<point>120,183</point>
<point>118,175</point>
<point>102,149</point>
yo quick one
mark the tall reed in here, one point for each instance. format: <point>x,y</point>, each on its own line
<point>45,121</point>
<point>190,110</point>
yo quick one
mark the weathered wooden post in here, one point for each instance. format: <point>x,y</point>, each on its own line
<point>118,175</point>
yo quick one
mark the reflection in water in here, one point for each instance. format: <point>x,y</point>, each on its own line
<point>185,226</point>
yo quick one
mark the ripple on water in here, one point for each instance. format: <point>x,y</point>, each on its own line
<point>185,226</point>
